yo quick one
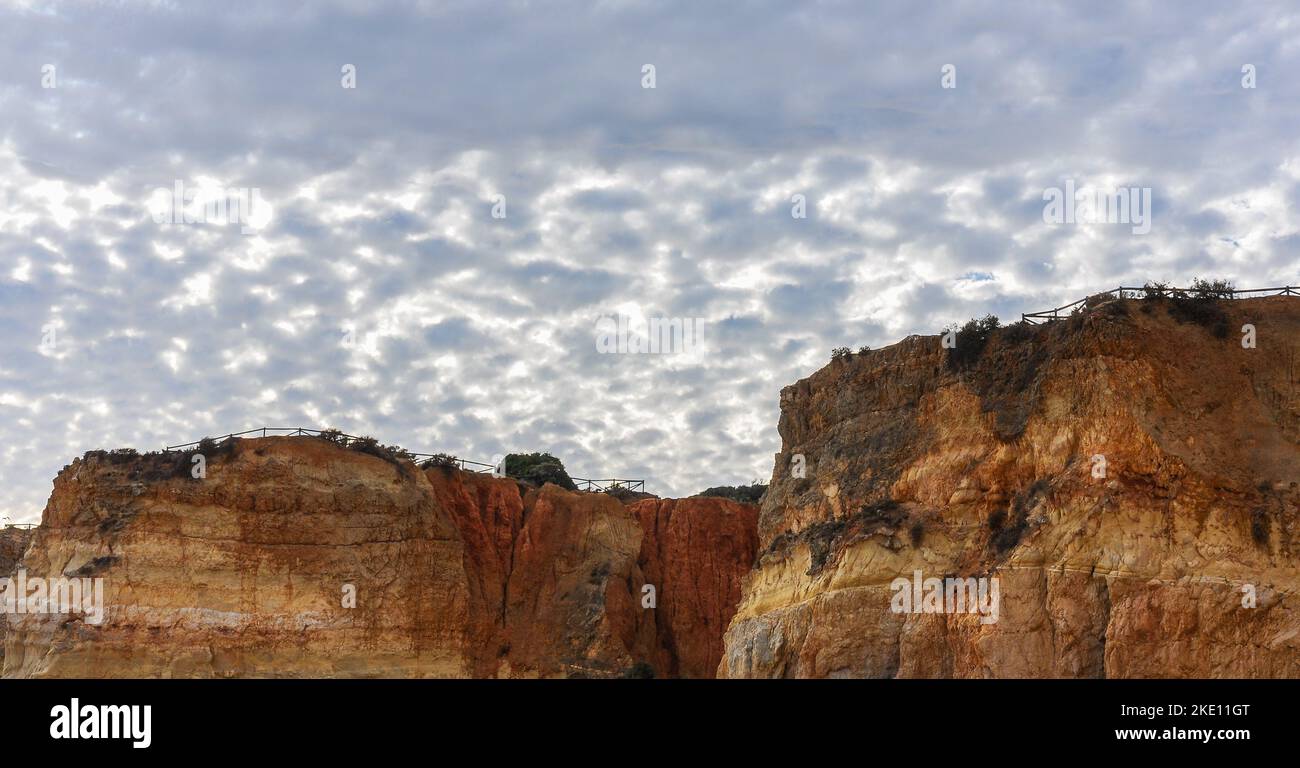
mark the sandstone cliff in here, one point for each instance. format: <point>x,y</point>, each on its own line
<point>298,557</point>
<point>13,543</point>
<point>1128,476</point>
<point>689,553</point>
<point>1130,480</point>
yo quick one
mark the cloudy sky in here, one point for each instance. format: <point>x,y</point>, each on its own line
<point>373,290</point>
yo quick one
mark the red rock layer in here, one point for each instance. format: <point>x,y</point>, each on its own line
<point>690,554</point>
<point>298,557</point>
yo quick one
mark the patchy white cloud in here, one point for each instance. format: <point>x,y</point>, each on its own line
<point>365,283</point>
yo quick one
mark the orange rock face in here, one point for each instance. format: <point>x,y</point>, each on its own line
<point>298,557</point>
<point>689,554</point>
<point>1127,476</point>
<point>574,552</point>
<point>489,513</point>
<point>292,557</point>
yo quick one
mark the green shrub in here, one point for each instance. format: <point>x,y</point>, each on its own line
<point>1019,332</point>
<point>368,445</point>
<point>1200,305</point>
<point>1212,289</point>
<point>444,460</point>
<point>122,455</point>
<point>746,494</point>
<point>209,448</point>
<point>398,452</point>
<point>538,469</point>
<point>1154,290</point>
<point>395,455</point>
<point>333,436</point>
<point>840,353</point>
<point>971,339</point>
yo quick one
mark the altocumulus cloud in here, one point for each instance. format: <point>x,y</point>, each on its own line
<point>474,335</point>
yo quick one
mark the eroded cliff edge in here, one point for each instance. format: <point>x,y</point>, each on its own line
<point>298,557</point>
<point>992,471</point>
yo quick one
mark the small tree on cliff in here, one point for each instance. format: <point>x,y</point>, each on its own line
<point>971,339</point>
<point>539,469</point>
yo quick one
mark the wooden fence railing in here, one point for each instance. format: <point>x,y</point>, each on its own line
<point>1129,292</point>
<point>583,483</point>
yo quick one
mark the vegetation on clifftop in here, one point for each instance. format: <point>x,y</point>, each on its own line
<point>1198,305</point>
<point>746,494</point>
<point>539,469</point>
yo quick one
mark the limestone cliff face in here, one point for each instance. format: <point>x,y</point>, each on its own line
<point>246,572</point>
<point>1129,479</point>
<point>297,557</point>
<point>13,543</point>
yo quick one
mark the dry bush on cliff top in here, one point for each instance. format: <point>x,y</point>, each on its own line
<point>396,455</point>
<point>842,354</point>
<point>211,449</point>
<point>971,339</point>
<point>1199,305</point>
<point>1018,332</point>
<point>164,465</point>
<point>746,494</point>
<point>333,436</point>
<point>441,460</point>
<point>627,496</point>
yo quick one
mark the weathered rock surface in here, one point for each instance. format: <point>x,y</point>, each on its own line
<point>13,543</point>
<point>246,572</point>
<point>298,557</point>
<point>1130,481</point>
<point>994,471</point>
<point>688,554</point>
